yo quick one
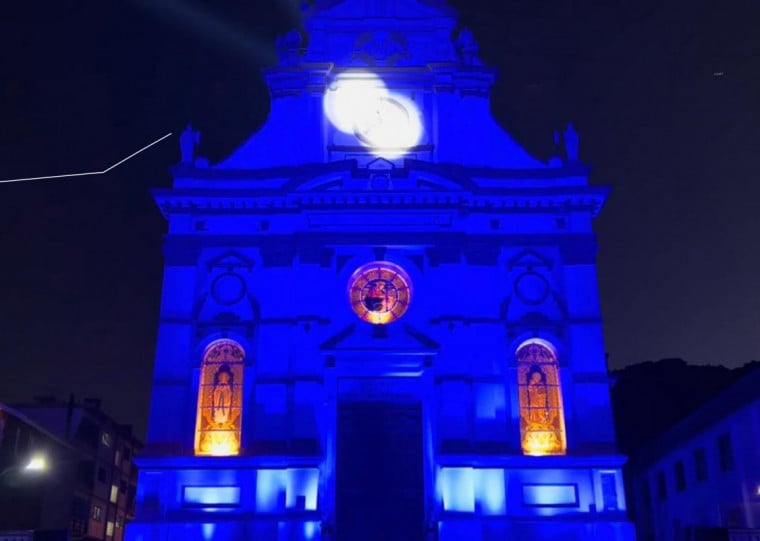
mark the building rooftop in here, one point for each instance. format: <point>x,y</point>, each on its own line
<point>741,394</point>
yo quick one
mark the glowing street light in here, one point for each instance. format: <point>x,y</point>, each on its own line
<point>37,463</point>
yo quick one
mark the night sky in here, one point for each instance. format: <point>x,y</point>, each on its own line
<point>664,93</point>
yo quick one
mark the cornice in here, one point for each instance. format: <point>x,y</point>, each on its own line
<point>519,461</point>
<point>189,171</point>
<point>563,199</point>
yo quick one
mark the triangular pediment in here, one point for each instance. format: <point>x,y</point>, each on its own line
<point>230,259</point>
<point>393,339</point>
<point>529,259</point>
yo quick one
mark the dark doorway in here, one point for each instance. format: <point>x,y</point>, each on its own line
<point>379,478</point>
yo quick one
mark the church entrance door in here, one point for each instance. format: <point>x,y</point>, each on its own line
<point>379,474</point>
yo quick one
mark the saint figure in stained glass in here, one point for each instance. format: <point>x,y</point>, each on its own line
<point>218,424</point>
<point>222,407</point>
<point>538,396</point>
<point>542,424</point>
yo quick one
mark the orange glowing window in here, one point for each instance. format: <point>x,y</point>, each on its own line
<point>220,400</point>
<point>379,292</point>
<point>542,421</point>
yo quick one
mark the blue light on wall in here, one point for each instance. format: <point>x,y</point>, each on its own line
<point>301,489</point>
<point>208,531</point>
<point>470,490</point>
<point>270,485</point>
<point>310,530</point>
<point>458,490</point>
<point>490,491</point>
<point>278,490</point>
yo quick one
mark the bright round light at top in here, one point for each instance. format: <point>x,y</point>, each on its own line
<point>390,127</point>
<point>385,122</point>
<point>351,97</point>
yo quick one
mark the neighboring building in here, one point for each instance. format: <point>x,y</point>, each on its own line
<point>674,389</point>
<point>701,479</point>
<point>380,315</point>
<point>84,480</point>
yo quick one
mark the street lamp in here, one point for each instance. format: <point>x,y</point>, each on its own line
<point>37,463</point>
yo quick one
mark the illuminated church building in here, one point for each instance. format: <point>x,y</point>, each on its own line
<point>380,318</point>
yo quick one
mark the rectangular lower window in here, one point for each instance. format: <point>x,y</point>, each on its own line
<point>210,496</point>
<point>550,495</point>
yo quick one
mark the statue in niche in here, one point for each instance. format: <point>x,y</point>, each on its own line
<point>221,408</point>
<point>538,397</point>
<point>467,47</point>
<point>289,47</point>
<point>571,144</point>
<point>188,141</point>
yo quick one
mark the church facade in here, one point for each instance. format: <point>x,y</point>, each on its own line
<point>380,316</point>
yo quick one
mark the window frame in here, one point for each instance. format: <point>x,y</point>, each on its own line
<point>679,475</point>
<point>726,458</point>
<point>701,470</point>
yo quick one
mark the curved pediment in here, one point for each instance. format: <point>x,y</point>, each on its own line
<point>321,183</point>
<point>440,183</point>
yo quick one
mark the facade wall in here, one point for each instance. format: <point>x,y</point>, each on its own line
<point>454,352</point>
<point>265,261</point>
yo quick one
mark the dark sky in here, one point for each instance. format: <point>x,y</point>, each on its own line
<point>665,95</point>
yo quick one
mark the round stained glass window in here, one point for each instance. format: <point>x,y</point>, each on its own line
<point>379,292</point>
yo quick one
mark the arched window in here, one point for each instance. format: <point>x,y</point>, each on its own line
<point>542,420</point>
<point>220,400</point>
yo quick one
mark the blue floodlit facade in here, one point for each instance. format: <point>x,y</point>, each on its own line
<point>380,317</point>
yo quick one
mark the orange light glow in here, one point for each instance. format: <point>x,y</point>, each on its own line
<point>542,420</point>
<point>537,443</point>
<point>379,292</point>
<point>218,421</point>
<point>222,443</point>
